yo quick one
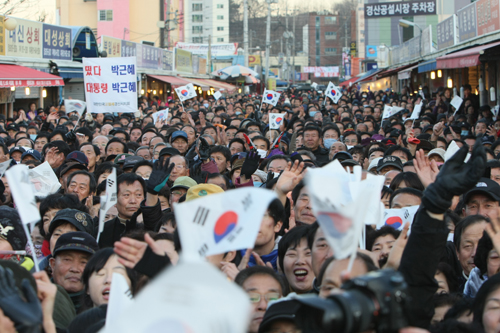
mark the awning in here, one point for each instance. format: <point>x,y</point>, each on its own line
<point>71,73</point>
<point>224,85</point>
<point>465,58</point>
<point>393,71</point>
<point>427,66</point>
<point>173,80</point>
<point>406,74</point>
<point>200,83</point>
<point>370,76</point>
<point>20,76</point>
<point>349,82</point>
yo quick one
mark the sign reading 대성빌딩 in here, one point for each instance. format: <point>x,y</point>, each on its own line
<point>110,84</point>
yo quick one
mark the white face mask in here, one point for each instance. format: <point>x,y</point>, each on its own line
<point>262,153</point>
<point>349,147</point>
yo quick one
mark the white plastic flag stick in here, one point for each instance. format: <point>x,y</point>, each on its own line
<point>107,200</point>
<point>22,193</point>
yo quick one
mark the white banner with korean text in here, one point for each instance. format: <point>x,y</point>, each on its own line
<point>110,84</point>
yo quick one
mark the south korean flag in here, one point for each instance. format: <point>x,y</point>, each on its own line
<point>270,97</point>
<point>333,92</point>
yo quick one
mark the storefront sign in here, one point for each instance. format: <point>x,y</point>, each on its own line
<point>129,49</point>
<point>112,46</point>
<point>167,60</point>
<point>196,63</point>
<point>219,49</point>
<point>183,61</point>
<point>353,49</point>
<point>150,57</point>
<point>402,8</point>
<point>447,33</point>
<point>203,66</point>
<point>467,24</point>
<point>371,51</point>
<point>110,84</point>
<point>488,16</point>
<point>25,40</point>
<point>57,42</point>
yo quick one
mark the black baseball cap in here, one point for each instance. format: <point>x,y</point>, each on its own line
<point>131,161</point>
<point>76,241</point>
<point>485,186</point>
<point>169,151</point>
<point>82,221</point>
<point>342,156</point>
<point>78,156</point>
<point>71,165</point>
<point>279,310</point>
<point>390,161</point>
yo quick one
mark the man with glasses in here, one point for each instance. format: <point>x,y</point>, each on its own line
<point>181,168</point>
<point>262,285</point>
<point>180,187</point>
<point>101,142</point>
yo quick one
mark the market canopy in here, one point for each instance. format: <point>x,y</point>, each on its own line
<point>20,76</point>
<point>465,58</point>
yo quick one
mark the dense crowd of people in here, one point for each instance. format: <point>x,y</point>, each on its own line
<point>449,257</point>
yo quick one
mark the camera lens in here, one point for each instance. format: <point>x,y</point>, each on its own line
<point>351,311</point>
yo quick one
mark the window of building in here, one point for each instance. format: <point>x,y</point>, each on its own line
<point>106,15</point>
<point>197,29</point>
<point>197,18</point>
<point>220,28</point>
<point>197,7</point>
<point>220,17</point>
<point>330,35</point>
<point>219,5</point>
<point>331,20</point>
<point>331,50</point>
<point>198,40</point>
<point>220,39</point>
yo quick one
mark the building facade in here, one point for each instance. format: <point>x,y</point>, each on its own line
<point>136,21</point>
<point>204,19</point>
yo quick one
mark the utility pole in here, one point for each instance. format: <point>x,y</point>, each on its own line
<point>293,46</point>
<point>245,30</point>
<point>268,39</point>
<point>209,55</point>
<point>287,47</point>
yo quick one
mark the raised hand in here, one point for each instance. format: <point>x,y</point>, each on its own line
<point>204,149</point>
<point>131,251</point>
<point>250,165</point>
<point>290,177</point>
<point>426,170</point>
<point>159,176</point>
<point>455,178</point>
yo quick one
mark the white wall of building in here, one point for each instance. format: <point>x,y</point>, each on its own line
<point>214,22</point>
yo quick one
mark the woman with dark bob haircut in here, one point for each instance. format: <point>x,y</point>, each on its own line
<point>98,274</point>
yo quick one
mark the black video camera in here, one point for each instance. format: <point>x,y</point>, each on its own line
<point>375,301</point>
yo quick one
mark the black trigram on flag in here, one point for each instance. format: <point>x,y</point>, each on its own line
<point>203,249</point>
<point>111,182</point>
<point>201,216</point>
<point>407,213</point>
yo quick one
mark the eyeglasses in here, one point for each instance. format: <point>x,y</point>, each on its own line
<point>177,193</point>
<point>255,297</point>
<point>180,167</point>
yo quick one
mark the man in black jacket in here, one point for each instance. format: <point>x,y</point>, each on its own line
<point>135,196</point>
<point>427,241</point>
